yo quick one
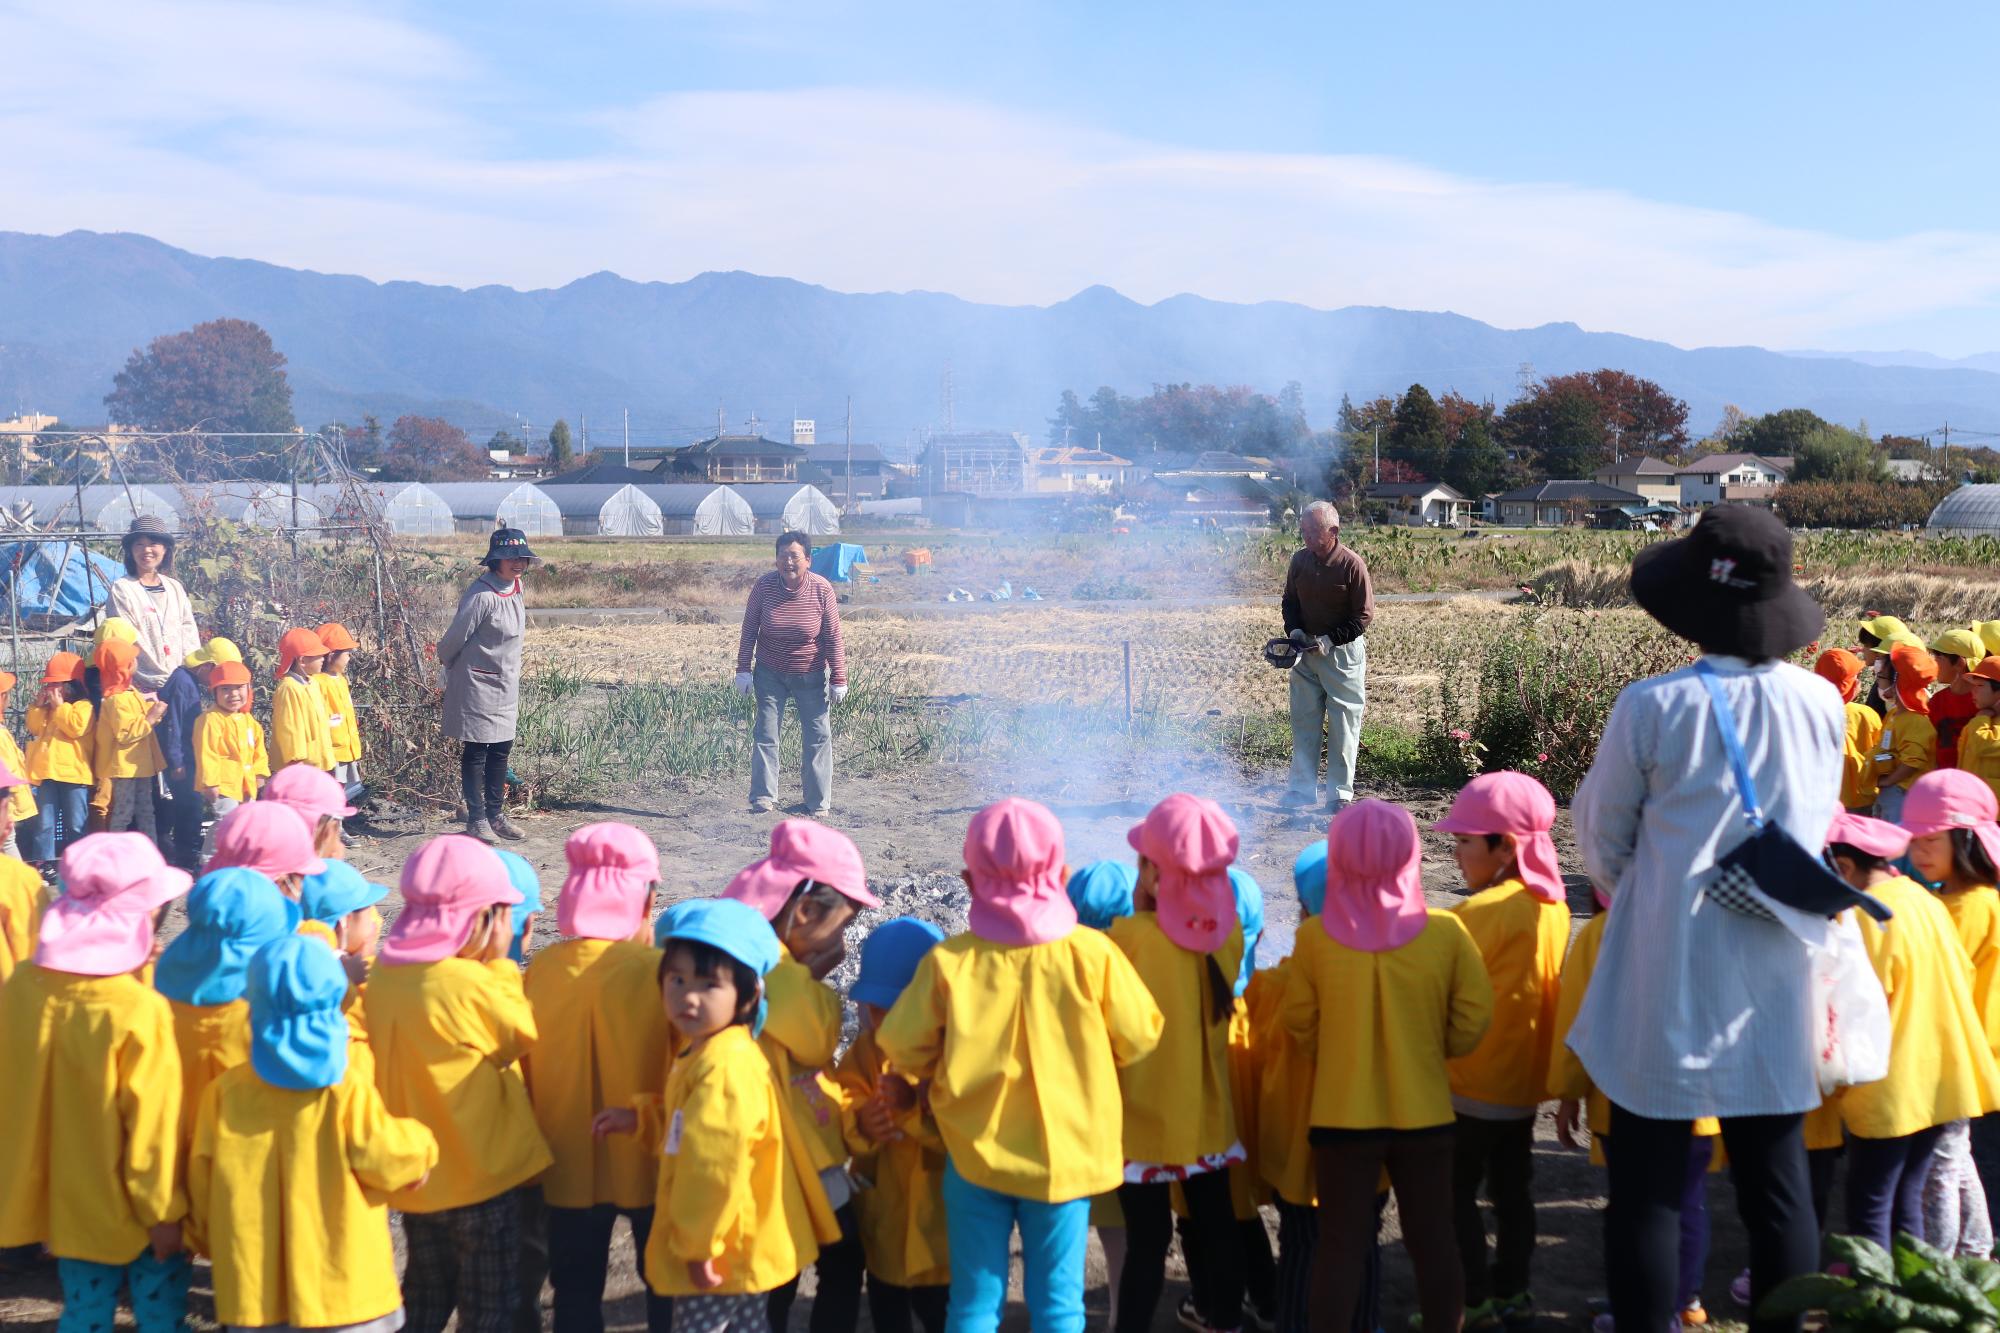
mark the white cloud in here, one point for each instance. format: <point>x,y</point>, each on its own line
<point>354,141</point>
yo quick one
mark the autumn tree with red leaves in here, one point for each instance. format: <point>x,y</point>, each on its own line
<point>224,376</point>
<point>431,449</point>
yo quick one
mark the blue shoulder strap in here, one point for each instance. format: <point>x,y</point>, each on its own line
<point>1725,718</point>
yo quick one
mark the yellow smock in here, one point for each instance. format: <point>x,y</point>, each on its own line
<point>1246,1191</point>
<point>728,1191</point>
<point>1979,749</point>
<point>1522,940</point>
<point>1284,1088</point>
<point>342,730</point>
<point>1975,915</point>
<point>21,900</point>
<point>801,1037</point>
<point>1022,1046</point>
<point>1907,739</point>
<point>229,754</point>
<point>601,1041</point>
<point>62,744</point>
<point>1177,1104</point>
<point>213,1039</point>
<point>22,798</point>
<point>90,1157</point>
<point>1392,1020</point>
<point>299,733</point>
<point>126,746</point>
<point>1857,758</point>
<point>287,1190</point>
<point>1941,1067</point>
<point>898,1185</point>
<point>446,1036</point>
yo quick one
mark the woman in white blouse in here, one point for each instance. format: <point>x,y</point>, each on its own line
<point>1696,1009</point>
<point>155,602</point>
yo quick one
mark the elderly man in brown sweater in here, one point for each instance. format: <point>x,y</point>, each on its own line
<point>1328,603</point>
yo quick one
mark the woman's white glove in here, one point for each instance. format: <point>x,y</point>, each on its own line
<point>839,693</point>
<point>742,682</point>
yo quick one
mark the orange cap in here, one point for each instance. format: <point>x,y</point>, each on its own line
<point>228,673</point>
<point>62,668</point>
<point>297,643</point>
<point>115,661</point>
<point>336,638</point>
<point>1843,669</point>
<point>1916,670</point>
<point>1987,670</point>
<point>7,681</point>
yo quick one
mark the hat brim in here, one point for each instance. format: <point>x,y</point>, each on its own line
<point>1669,586</point>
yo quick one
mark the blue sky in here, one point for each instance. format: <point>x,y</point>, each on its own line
<point>1790,174</point>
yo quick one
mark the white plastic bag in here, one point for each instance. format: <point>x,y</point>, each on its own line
<point>1850,1012</point>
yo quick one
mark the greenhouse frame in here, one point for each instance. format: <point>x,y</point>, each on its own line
<point>405,508</point>
<point>479,507</point>
<point>105,507</point>
<point>702,509</point>
<point>790,506</point>
<point>1969,509</point>
<point>606,511</point>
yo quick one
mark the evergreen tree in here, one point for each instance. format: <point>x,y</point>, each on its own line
<point>1416,435</point>
<point>1477,462</point>
<point>560,455</point>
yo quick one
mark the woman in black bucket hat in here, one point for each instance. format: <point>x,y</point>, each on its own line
<point>481,657</point>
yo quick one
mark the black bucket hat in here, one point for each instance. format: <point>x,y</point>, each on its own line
<point>1727,586</point>
<point>146,525</point>
<point>507,544</point>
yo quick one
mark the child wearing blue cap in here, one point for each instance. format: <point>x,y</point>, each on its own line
<point>898,1154</point>
<point>738,1209</point>
<point>294,1153</point>
<point>342,901</point>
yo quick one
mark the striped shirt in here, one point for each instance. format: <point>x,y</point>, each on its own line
<point>793,632</point>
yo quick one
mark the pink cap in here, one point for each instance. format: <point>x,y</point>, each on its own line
<point>1374,893</point>
<point>1192,844</point>
<point>1014,854</point>
<point>1514,803</point>
<point>1951,798</point>
<point>102,923</point>
<point>312,792</point>
<point>446,883</point>
<point>269,837</point>
<point>1877,837</point>
<point>802,849</point>
<point>612,869</point>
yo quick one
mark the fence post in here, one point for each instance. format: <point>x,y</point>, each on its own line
<point>1128,687</point>
<point>381,613</point>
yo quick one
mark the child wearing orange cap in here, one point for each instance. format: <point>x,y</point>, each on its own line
<point>1908,748</point>
<point>343,728</point>
<point>128,754</point>
<point>22,798</point>
<point>61,721</point>
<point>1979,743</point>
<point>1864,730</point>
<point>300,733</point>
<point>230,760</point>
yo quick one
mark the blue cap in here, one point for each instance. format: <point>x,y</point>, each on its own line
<point>232,913</point>
<point>889,958</point>
<point>1250,915</point>
<point>1101,892</point>
<point>336,891</point>
<point>528,884</point>
<point>298,1034</point>
<point>737,929</point>
<point>1309,877</point>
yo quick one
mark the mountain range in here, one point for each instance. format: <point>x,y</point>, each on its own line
<point>675,355</point>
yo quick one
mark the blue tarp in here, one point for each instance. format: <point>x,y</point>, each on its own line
<point>834,563</point>
<point>52,581</point>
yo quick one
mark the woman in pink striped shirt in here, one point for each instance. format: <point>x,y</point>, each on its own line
<point>792,623</point>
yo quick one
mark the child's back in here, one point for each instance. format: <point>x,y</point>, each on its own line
<point>1857,766</point>
<point>1522,939</point>
<point>1178,1106</point>
<point>63,737</point>
<point>21,896</point>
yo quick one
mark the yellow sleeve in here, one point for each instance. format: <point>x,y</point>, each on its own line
<point>651,1108</point>
<point>1131,1015</point>
<point>290,737</point>
<point>260,758</point>
<point>386,1152</point>
<point>201,1169</point>
<point>128,718</point>
<point>511,1017</point>
<point>803,1015</point>
<point>854,1081</point>
<point>1299,1010</point>
<point>1567,1076</point>
<point>210,763</point>
<point>721,1119</point>
<point>1471,998</point>
<point>1916,744</point>
<point>911,1037</point>
<point>1881,956</point>
<point>73,719</point>
<point>149,1106</point>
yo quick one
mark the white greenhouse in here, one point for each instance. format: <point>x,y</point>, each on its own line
<point>104,507</point>
<point>790,506</point>
<point>261,504</point>
<point>1969,509</point>
<point>480,506</point>
<point>702,509</point>
<point>406,508</point>
<point>606,511</point>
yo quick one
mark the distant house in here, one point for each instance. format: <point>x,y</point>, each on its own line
<point>600,474</point>
<point>1213,502</point>
<point>1555,504</point>
<point>1069,469</point>
<point>1421,504</point>
<point>1649,478</point>
<point>978,462</point>
<point>727,458</point>
<point>1732,479</point>
<point>827,467</point>
<point>1917,469</point>
<point>1639,518</point>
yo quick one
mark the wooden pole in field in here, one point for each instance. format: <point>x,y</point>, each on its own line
<point>1128,686</point>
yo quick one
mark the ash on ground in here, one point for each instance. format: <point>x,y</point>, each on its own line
<point>939,898</point>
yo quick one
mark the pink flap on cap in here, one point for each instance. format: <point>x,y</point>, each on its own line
<point>612,869</point>
<point>1877,837</point>
<point>1014,854</point>
<point>446,883</point>
<point>1951,798</point>
<point>268,837</point>
<point>102,923</point>
<point>1193,844</point>
<point>1374,892</point>
<point>1513,803</point>
<point>310,791</point>
<point>802,849</point>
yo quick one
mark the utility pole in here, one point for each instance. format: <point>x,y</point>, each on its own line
<point>1378,453</point>
<point>849,501</point>
<point>628,436</point>
<point>718,421</point>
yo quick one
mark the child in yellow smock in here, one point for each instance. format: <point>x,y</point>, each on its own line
<point>128,754</point>
<point>1186,944</point>
<point>300,733</point>
<point>898,1156</point>
<point>448,1021</point>
<point>21,897</point>
<point>62,725</point>
<point>294,1157</point>
<point>90,1161</point>
<point>1020,1026</point>
<point>21,798</point>
<point>1101,893</point>
<point>603,1041</point>
<point>343,727</point>
<point>1384,994</point>
<point>1979,743</point>
<point>112,629</point>
<point>1908,748</point>
<point>1941,1066</point>
<point>1864,730</point>
<point>1519,918</point>
<point>230,761</point>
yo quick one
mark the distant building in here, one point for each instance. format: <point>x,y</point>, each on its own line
<point>727,458</point>
<point>1555,504</point>
<point>1649,478</point>
<point>977,462</point>
<point>1213,501</point>
<point>1421,504</point>
<point>803,433</point>
<point>1069,469</point>
<point>1211,463</point>
<point>826,466</point>
<point>1732,479</point>
<point>1917,469</point>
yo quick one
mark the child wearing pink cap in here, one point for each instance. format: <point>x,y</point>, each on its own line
<point>80,1034</point>
<point>319,800</point>
<point>21,892</point>
<point>270,839</point>
<point>1941,1066</point>
<point>1186,944</point>
<point>1384,993</point>
<point>448,1020</point>
<point>603,1042</point>
<point>1519,918</point>
<point>1020,1026</point>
